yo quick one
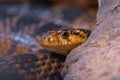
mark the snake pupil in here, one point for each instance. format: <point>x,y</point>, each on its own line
<point>65,34</point>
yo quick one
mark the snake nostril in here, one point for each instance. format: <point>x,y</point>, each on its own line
<point>49,39</point>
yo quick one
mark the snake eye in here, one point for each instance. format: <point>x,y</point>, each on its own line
<point>65,34</point>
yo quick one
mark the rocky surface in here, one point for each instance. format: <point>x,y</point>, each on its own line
<point>98,58</point>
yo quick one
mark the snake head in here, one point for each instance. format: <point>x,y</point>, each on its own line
<point>63,41</point>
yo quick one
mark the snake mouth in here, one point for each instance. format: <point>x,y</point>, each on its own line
<point>60,49</point>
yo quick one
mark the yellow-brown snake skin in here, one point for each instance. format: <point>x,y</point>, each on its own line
<point>24,30</point>
<point>58,41</point>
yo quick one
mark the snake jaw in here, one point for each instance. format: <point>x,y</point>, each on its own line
<point>63,41</point>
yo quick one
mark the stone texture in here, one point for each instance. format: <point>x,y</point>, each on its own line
<point>98,58</point>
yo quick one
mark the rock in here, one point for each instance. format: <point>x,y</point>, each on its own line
<point>98,58</point>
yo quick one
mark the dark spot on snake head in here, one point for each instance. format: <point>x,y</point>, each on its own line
<point>64,34</point>
<point>48,39</point>
<point>75,33</point>
<point>88,32</point>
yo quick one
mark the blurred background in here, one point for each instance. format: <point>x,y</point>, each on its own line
<point>41,12</point>
<point>23,22</point>
<point>75,3</point>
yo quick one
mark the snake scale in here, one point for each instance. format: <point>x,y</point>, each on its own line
<point>24,30</point>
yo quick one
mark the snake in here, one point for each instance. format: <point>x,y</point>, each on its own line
<point>26,30</point>
<point>57,41</point>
